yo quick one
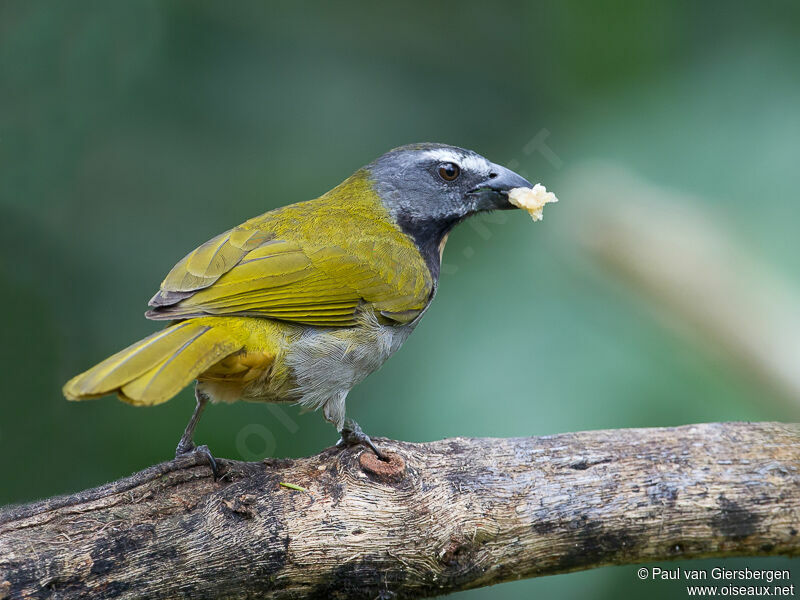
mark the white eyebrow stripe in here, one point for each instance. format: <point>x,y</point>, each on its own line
<point>468,162</point>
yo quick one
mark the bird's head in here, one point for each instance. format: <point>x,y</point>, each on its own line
<point>429,188</point>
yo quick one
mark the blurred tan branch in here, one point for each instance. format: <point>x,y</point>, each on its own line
<point>664,243</point>
<point>440,517</point>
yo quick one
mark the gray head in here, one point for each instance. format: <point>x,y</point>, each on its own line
<point>430,188</point>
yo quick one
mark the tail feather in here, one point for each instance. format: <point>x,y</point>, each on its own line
<point>156,368</point>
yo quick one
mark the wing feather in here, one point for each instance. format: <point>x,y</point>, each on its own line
<point>311,263</point>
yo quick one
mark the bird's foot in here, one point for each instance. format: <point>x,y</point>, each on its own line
<point>185,448</point>
<point>352,435</point>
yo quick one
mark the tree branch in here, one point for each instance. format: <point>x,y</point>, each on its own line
<point>440,517</point>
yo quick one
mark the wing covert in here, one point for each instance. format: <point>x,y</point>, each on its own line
<point>310,263</point>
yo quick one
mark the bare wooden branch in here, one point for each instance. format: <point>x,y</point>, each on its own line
<point>440,517</point>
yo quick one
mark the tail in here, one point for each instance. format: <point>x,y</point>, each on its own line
<point>154,369</point>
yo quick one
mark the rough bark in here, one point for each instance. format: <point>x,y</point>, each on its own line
<point>440,517</point>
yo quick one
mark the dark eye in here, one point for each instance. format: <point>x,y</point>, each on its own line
<point>449,171</point>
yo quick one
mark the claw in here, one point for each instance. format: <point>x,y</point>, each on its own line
<point>184,449</point>
<point>352,435</point>
<point>204,451</point>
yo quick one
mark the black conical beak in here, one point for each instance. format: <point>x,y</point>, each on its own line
<point>494,189</point>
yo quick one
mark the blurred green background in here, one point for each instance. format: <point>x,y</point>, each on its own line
<point>131,132</point>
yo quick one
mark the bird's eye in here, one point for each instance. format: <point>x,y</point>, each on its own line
<point>449,171</point>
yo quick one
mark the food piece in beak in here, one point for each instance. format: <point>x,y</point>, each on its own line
<point>532,199</point>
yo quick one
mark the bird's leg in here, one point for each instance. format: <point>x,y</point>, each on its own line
<point>186,444</point>
<point>352,435</point>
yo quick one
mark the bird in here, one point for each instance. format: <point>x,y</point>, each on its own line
<point>303,302</point>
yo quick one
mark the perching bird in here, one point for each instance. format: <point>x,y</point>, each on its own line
<point>303,302</point>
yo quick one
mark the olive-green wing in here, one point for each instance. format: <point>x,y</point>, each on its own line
<point>320,277</point>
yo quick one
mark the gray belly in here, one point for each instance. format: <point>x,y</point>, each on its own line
<point>327,362</point>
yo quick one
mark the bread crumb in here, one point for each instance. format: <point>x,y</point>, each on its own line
<point>532,199</point>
